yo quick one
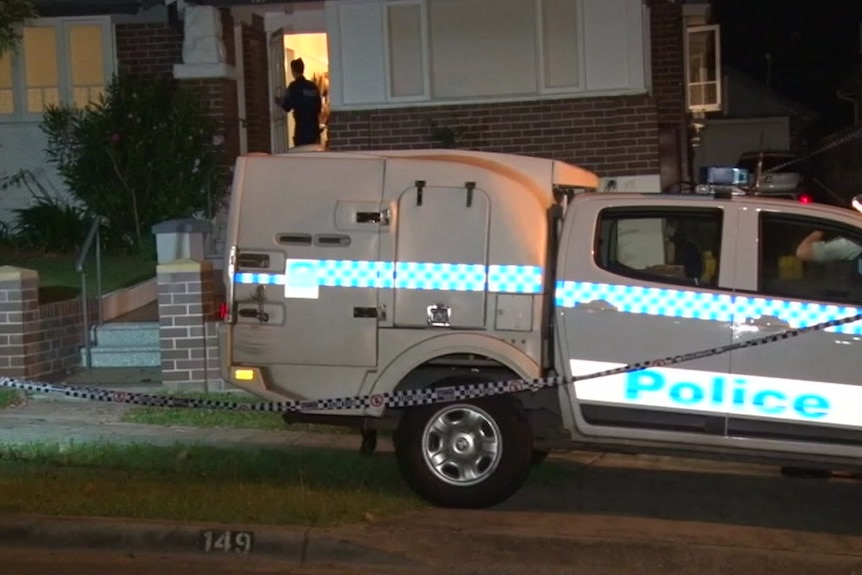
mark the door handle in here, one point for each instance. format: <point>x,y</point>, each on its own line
<point>767,322</point>
<point>598,305</point>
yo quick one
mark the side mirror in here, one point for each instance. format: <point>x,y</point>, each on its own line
<point>856,202</point>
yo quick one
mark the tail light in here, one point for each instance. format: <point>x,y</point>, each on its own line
<point>223,311</point>
<point>805,199</point>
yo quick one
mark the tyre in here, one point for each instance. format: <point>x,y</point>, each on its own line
<point>468,454</point>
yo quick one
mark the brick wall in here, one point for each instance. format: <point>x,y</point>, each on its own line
<point>148,49</point>
<point>614,136</point>
<point>187,326</point>
<point>153,49</point>
<point>37,341</point>
<point>668,60</point>
<point>255,50</point>
<point>220,97</point>
<point>61,334</point>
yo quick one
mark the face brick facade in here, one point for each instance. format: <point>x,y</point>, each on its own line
<point>152,50</point>
<point>614,136</point>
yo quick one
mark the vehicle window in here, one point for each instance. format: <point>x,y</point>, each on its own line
<point>829,269</point>
<point>665,245</point>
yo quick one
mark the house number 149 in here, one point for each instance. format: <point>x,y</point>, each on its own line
<point>227,541</point>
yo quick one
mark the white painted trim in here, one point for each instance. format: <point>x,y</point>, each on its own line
<point>646,25</point>
<point>531,98</point>
<point>541,86</point>
<point>204,71</point>
<point>426,47</point>
<point>687,32</point>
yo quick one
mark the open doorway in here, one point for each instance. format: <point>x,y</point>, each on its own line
<point>312,48</point>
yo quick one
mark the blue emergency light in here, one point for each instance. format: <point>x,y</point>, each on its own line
<point>723,176</point>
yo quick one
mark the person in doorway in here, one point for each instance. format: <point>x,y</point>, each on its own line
<point>302,98</point>
<point>815,249</point>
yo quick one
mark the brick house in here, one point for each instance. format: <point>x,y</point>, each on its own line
<point>600,83</point>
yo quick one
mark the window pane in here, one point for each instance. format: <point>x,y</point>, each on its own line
<point>40,68</point>
<point>560,43</point>
<point>86,62</point>
<point>7,96</point>
<point>679,247</point>
<point>830,267</point>
<point>482,47</point>
<point>405,50</point>
<point>40,55</point>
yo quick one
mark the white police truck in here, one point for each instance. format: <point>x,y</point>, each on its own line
<point>360,274</point>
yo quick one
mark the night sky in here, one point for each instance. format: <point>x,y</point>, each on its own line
<point>814,45</point>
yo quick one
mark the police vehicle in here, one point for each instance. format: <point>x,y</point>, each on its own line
<point>356,274</point>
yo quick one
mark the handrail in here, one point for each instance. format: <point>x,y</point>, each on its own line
<point>93,239</point>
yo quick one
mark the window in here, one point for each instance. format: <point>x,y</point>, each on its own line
<point>59,62</point>
<point>407,62</point>
<point>448,49</point>
<point>41,68</point>
<point>482,47</point>
<point>560,44</point>
<point>664,245</point>
<point>782,274</point>
<point>703,73</point>
<point>7,86</point>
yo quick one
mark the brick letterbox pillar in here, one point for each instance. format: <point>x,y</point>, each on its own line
<point>19,322</point>
<point>187,310</point>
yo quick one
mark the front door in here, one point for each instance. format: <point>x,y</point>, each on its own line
<point>660,285</point>
<point>801,393</point>
<point>277,85</point>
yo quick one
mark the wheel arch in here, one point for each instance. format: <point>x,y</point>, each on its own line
<point>396,376</point>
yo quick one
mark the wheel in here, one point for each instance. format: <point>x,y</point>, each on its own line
<point>469,454</point>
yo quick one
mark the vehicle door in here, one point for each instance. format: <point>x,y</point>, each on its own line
<point>653,278</point>
<point>800,394</point>
<point>307,276</point>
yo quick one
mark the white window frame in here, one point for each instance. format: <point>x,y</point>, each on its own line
<point>717,105</point>
<point>425,48</point>
<point>542,87</point>
<point>19,88</point>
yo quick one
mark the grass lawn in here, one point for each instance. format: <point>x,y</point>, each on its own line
<point>220,418</point>
<point>59,280</point>
<point>10,398</point>
<point>268,486</point>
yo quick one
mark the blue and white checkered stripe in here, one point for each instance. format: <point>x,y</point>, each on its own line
<point>707,306</point>
<point>413,275</point>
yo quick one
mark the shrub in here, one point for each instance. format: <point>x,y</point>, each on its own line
<point>50,223</point>
<point>13,13</point>
<point>144,153</point>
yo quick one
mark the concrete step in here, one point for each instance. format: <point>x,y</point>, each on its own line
<point>118,356</point>
<point>144,334</point>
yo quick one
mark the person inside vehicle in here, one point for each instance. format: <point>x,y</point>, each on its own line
<point>814,248</point>
<point>303,98</point>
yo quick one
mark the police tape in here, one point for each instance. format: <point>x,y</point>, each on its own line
<point>402,398</point>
